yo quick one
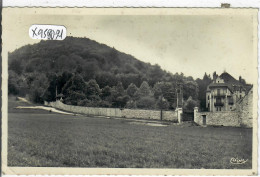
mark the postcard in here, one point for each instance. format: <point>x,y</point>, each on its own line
<point>129,91</point>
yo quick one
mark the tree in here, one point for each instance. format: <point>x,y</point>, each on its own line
<point>156,74</point>
<point>165,90</point>
<point>144,90</point>
<point>162,103</point>
<point>84,102</point>
<point>76,83</point>
<point>92,88</point>
<point>105,92</point>
<point>16,66</point>
<point>62,79</point>
<point>147,102</point>
<point>202,86</point>
<point>17,84</point>
<point>131,90</point>
<point>121,101</point>
<point>157,90</point>
<point>74,90</point>
<point>168,91</point>
<point>190,104</point>
<point>190,88</point>
<point>64,63</point>
<point>38,87</point>
<point>106,79</point>
<point>50,94</point>
<point>75,98</point>
<point>118,96</point>
<point>13,87</point>
<point>120,89</point>
<point>131,104</point>
<point>90,70</point>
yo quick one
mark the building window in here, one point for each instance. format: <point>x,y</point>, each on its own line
<point>230,101</point>
<point>208,97</point>
<point>218,101</point>
<point>208,105</point>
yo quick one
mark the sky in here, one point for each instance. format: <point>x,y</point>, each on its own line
<point>189,43</point>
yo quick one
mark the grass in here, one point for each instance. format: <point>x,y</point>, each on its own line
<point>44,139</point>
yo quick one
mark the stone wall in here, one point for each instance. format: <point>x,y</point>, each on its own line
<point>228,118</point>
<point>141,114</point>
<point>116,112</point>
<point>241,117</point>
<point>246,109</point>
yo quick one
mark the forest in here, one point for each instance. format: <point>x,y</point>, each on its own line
<point>91,74</point>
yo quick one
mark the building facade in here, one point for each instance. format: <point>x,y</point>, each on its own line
<point>225,92</point>
<point>241,117</point>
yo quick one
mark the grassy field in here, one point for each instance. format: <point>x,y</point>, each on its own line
<point>40,138</point>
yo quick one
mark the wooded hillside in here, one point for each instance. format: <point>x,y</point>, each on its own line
<point>88,73</point>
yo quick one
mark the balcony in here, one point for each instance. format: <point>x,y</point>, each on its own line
<point>218,104</point>
<point>220,95</point>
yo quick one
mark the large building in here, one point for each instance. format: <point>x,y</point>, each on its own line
<point>225,92</point>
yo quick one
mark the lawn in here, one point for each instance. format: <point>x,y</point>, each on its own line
<point>41,138</point>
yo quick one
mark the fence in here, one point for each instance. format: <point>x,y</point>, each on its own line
<point>174,116</point>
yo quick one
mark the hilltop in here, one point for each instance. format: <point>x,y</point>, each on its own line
<point>40,67</point>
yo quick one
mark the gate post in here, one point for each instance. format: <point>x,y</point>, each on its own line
<point>196,109</point>
<point>179,115</point>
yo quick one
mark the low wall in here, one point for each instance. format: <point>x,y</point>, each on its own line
<point>218,118</point>
<point>116,112</point>
<point>228,118</point>
<point>142,114</point>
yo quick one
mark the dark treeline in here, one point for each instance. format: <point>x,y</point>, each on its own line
<point>91,74</point>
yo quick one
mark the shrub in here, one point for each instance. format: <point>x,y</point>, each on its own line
<point>162,103</point>
<point>147,102</point>
<point>131,104</point>
<point>190,104</point>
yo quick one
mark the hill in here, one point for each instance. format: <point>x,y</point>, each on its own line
<point>36,70</point>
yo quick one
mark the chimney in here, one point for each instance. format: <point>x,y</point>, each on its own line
<point>215,76</point>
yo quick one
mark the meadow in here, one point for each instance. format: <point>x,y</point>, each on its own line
<point>39,138</point>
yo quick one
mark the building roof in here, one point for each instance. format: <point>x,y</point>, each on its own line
<point>231,83</point>
<point>239,101</point>
<point>230,79</point>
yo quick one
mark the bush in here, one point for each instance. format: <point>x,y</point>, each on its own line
<point>104,104</point>
<point>74,98</point>
<point>162,104</point>
<point>131,104</point>
<point>147,102</point>
<point>121,101</point>
<point>190,104</point>
<point>84,102</point>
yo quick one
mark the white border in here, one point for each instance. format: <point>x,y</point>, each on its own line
<point>143,3</point>
<point>130,3</point>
